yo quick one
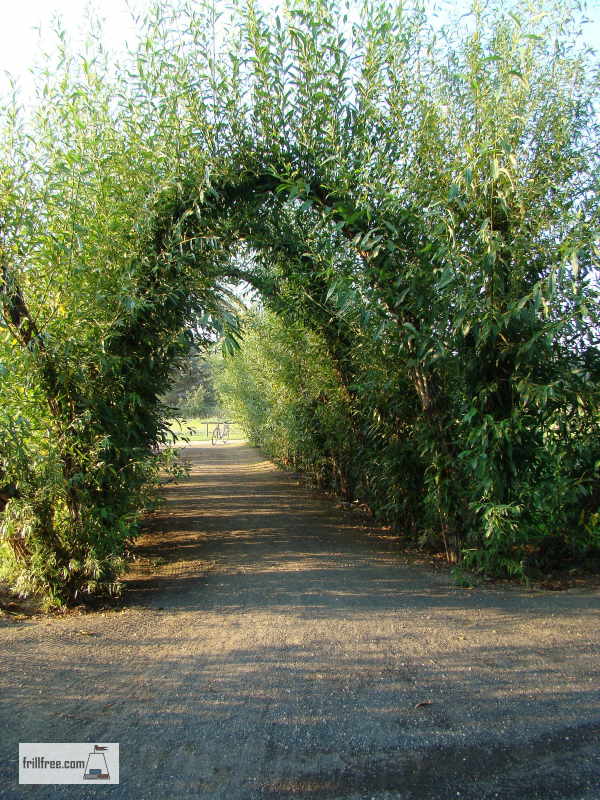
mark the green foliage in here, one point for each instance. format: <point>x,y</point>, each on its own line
<point>418,210</point>
<point>193,404</point>
<point>288,399</point>
<point>193,391</point>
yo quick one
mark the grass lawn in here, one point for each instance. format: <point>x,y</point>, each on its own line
<point>200,430</point>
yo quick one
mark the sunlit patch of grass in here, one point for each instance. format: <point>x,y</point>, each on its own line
<point>200,429</point>
<point>7,564</point>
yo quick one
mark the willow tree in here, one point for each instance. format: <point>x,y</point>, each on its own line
<point>461,167</point>
<point>93,316</point>
<point>458,166</point>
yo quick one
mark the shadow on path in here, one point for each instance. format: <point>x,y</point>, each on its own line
<point>273,647</point>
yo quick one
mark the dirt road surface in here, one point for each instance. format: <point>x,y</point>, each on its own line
<point>272,647</point>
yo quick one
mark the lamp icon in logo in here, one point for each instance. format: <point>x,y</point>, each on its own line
<point>96,768</point>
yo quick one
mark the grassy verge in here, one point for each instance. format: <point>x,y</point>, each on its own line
<point>199,429</point>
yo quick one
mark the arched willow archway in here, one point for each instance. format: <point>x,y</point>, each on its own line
<point>404,209</point>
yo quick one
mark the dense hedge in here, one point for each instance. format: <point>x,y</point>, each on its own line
<point>418,206</point>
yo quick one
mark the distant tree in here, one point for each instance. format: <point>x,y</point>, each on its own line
<point>193,392</point>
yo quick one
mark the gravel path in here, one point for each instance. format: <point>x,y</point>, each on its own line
<point>272,647</point>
